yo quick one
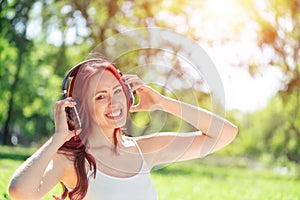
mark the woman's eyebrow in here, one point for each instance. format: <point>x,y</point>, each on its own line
<point>101,91</point>
<point>119,85</point>
<point>105,91</point>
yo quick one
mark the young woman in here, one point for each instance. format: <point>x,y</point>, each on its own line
<point>91,157</point>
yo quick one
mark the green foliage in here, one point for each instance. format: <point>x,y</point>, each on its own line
<point>78,27</point>
<point>8,55</point>
<point>33,98</point>
<point>35,60</point>
<point>272,134</point>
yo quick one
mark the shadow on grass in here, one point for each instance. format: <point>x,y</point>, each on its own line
<point>172,171</point>
<point>13,156</point>
<point>213,170</point>
<point>16,152</point>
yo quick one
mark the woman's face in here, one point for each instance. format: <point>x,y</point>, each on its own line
<point>107,101</point>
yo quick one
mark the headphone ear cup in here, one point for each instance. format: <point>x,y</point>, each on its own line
<point>130,95</point>
<point>131,98</point>
<point>73,118</point>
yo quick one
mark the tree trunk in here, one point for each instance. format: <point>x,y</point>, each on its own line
<point>6,130</point>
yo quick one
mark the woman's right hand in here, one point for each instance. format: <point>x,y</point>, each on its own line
<point>60,119</point>
<point>45,168</point>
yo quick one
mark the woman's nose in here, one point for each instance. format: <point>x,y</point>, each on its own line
<point>114,100</point>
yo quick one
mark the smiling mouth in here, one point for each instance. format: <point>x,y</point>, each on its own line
<point>114,115</point>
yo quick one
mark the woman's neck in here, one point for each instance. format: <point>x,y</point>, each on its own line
<point>100,137</point>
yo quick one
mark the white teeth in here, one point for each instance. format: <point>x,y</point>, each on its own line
<point>115,114</point>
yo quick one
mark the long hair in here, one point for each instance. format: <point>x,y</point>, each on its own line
<point>75,148</point>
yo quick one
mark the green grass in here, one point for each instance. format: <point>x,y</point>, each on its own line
<point>195,180</point>
<point>214,177</point>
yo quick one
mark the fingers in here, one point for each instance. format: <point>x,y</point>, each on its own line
<point>134,108</point>
<point>69,102</point>
<point>64,103</point>
<point>133,81</point>
<point>60,106</point>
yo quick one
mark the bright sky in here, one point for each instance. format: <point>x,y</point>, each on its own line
<point>226,20</point>
<point>243,91</point>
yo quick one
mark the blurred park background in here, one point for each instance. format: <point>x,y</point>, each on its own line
<point>255,45</point>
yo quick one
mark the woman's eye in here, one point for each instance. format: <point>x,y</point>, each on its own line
<point>118,91</point>
<point>100,97</point>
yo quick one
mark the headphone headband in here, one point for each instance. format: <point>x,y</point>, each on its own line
<point>116,72</point>
<point>71,73</point>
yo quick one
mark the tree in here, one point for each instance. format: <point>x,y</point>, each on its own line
<point>13,25</point>
<point>279,31</point>
<point>42,39</point>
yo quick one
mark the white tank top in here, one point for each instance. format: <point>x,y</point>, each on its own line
<point>137,187</point>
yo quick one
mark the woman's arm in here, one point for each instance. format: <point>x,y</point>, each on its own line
<point>38,174</point>
<point>214,132</point>
<point>44,169</point>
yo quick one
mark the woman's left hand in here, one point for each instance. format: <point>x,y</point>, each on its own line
<point>149,99</point>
